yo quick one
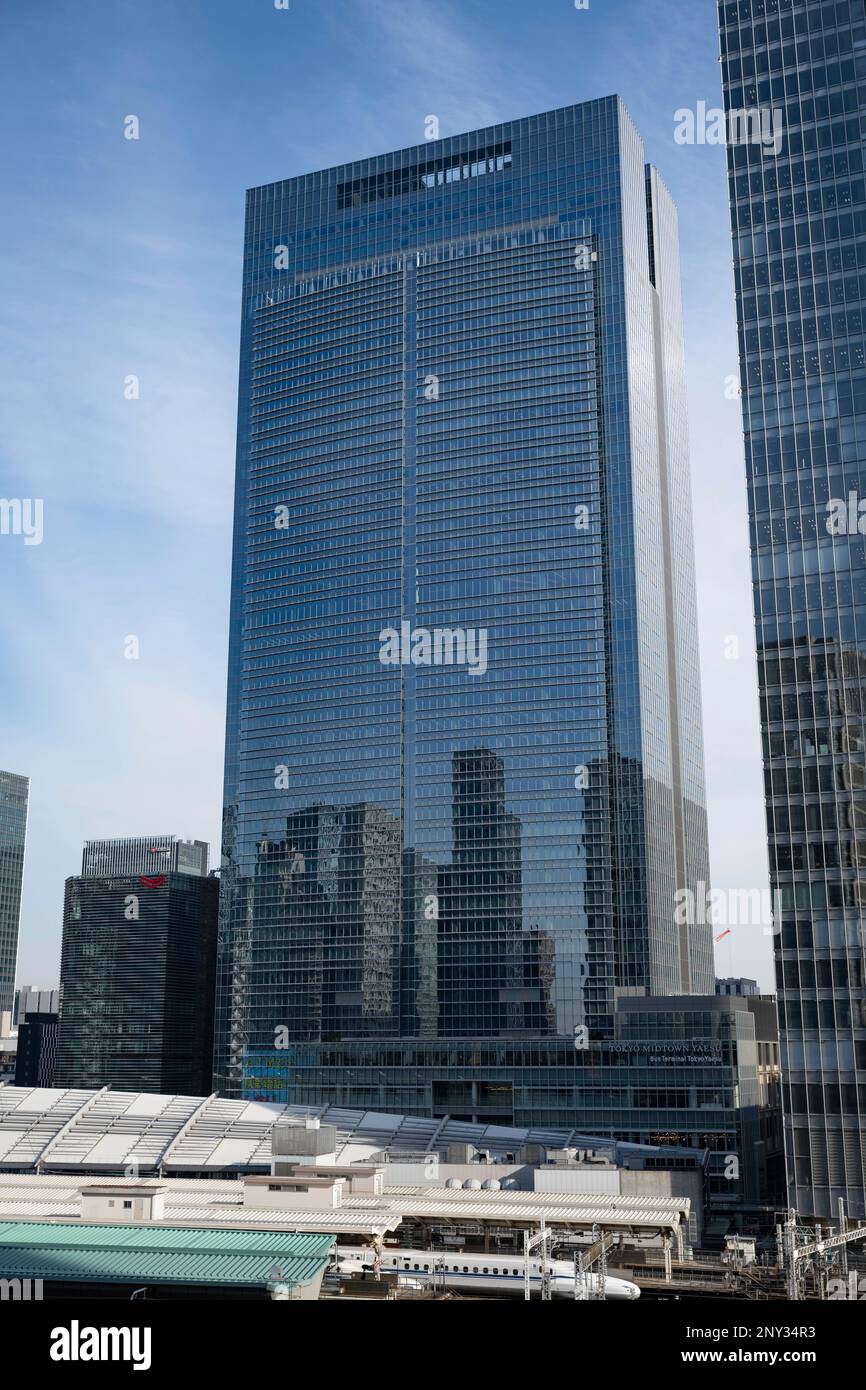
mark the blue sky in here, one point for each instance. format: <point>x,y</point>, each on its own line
<point>122,257</point>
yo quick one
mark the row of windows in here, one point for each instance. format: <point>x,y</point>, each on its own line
<point>805,52</point>
<point>818,666</point>
<point>394,183</point>
<point>822,894</point>
<point>806,704</point>
<point>815,78</point>
<point>807,492</point>
<point>792,779</point>
<point>797,818</point>
<point>819,199</point>
<point>837,973</point>
<point>781,175</point>
<point>819,294</point>
<point>850,854</point>
<point>766,20</point>
<point>801,266</point>
<point>783,332</point>
<point>796,1015</point>
<point>819,362</point>
<point>797,142</point>
<point>811,743</point>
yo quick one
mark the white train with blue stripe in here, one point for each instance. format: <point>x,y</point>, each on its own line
<point>497,1273</point>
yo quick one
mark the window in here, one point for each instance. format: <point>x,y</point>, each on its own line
<point>127,1206</point>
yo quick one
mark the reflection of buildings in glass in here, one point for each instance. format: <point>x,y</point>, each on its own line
<point>363,949</point>
<point>816,820</point>
<point>420,948</point>
<point>326,912</point>
<point>233,951</point>
<point>586,956</point>
<point>492,977</point>
<point>806,765</point>
<point>538,976</point>
<point>289,909</point>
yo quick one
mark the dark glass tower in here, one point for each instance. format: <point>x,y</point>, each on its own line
<point>137,968</point>
<point>14,793</point>
<point>799,236</point>
<point>464,769</point>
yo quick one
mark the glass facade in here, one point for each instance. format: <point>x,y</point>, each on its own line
<point>137,983</point>
<point>14,793</point>
<point>464,769</point>
<point>799,237</point>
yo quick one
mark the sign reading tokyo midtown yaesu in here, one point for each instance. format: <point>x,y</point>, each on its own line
<point>679,1049</point>
<point>437,646</point>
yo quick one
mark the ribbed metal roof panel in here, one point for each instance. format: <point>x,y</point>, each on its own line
<point>235,1133</point>
<point>169,1255</point>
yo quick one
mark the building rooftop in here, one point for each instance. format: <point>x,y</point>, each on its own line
<point>159,1254</point>
<point>213,1202</point>
<point>200,1202</point>
<point>108,1131</point>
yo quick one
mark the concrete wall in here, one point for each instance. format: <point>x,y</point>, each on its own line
<point>688,1182</point>
<point>110,1206</point>
<point>437,1174</point>
<point>558,1179</point>
<point>316,1197</point>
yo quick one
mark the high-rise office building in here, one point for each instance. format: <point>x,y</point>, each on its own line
<point>37,1050</point>
<point>137,976</point>
<point>794,75</point>
<point>14,793</point>
<point>464,767</point>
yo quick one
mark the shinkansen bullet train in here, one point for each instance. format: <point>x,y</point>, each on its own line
<point>501,1274</point>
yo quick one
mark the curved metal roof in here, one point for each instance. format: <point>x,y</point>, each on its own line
<point>138,1133</point>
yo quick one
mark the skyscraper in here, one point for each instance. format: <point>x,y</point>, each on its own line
<point>37,1050</point>
<point>464,767</point>
<point>14,793</point>
<point>137,970</point>
<point>794,71</point>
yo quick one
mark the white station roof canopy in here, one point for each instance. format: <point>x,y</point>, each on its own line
<point>135,1133</point>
